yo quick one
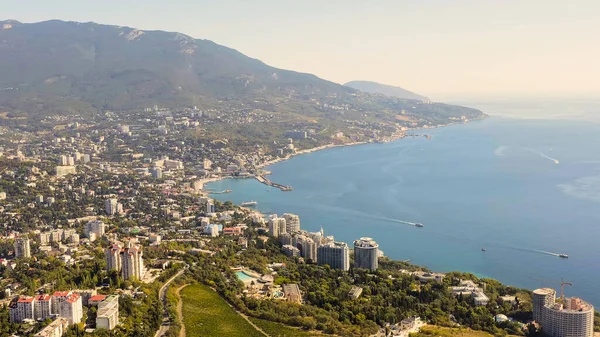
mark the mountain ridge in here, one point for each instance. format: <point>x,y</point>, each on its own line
<point>62,67</point>
<point>384,89</point>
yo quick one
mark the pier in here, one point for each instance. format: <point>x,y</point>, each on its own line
<point>268,182</point>
<point>221,192</point>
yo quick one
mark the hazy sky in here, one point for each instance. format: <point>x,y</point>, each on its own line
<point>443,49</point>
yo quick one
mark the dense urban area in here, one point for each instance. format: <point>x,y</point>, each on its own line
<point>105,221</point>
<point>108,227</point>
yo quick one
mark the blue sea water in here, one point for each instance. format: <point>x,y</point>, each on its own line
<point>523,189</point>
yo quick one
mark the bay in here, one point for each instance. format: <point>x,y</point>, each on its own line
<point>523,189</point>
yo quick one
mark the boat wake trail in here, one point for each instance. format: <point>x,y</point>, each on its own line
<point>543,155</point>
<point>537,251</point>
<point>397,221</point>
<point>352,212</point>
<point>547,253</point>
<point>500,150</point>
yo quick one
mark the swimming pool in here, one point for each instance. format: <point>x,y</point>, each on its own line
<point>243,276</point>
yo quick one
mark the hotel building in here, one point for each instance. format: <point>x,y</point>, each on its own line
<point>571,317</point>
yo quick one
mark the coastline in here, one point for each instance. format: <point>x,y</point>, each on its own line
<point>305,151</point>
<point>390,139</point>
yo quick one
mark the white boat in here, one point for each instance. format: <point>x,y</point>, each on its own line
<point>249,203</point>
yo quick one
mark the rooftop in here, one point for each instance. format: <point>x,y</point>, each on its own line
<point>97,298</point>
<point>25,299</point>
<point>61,293</point>
<point>365,243</point>
<point>544,291</point>
<point>575,304</point>
<point>44,297</point>
<point>291,289</point>
<point>73,298</point>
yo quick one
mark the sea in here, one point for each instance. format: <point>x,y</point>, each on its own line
<point>523,184</point>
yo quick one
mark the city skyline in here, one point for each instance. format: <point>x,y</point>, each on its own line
<point>465,49</point>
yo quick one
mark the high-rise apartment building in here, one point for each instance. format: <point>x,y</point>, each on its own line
<point>127,260</point>
<point>22,248</point>
<point>210,207</point>
<point>132,264</point>
<point>569,318</point>
<point>112,206</point>
<point>541,298</point>
<point>308,248</point>
<point>334,254</point>
<point>157,172</point>
<point>277,226</point>
<point>72,308</point>
<point>292,222</point>
<point>22,308</point>
<point>65,304</point>
<point>290,250</point>
<point>96,227</point>
<point>113,257</point>
<point>42,306</point>
<point>366,252</point>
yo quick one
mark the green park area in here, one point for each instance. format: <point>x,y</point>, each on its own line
<point>275,329</point>
<point>436,331</point>
<point>205,313</point>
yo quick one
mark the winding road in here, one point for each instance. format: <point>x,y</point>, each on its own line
<point>162,295</point>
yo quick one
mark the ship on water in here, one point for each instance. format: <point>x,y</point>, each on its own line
<point>564,256</point>
<point>249,203</point>
<point>418,224</point>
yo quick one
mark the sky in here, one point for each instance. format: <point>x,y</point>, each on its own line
<point>444,49</point>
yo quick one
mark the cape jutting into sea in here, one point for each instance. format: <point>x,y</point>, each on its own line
<point>525,190</point>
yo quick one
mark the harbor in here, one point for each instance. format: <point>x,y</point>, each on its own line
<point>221,192</point>
<point>268,182</point>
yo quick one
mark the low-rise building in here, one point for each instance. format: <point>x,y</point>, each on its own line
<point>427,277</point>
<point>290,250</point>
<point>55,329</point>
<point>355,292</point>
<point>64,170</point>
<point>155,238</point>
<point>212,230</point>
<point>292,293</point>
<point>96,226</point>
<point>232,230</point>
<point>410,322</point>
<point>107,316</point>
<point>95,300</point>
<point>469,288</point>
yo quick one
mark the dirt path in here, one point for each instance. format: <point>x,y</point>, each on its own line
<point>250,322</point>
<point>245,317</point>
<point>180,310</point>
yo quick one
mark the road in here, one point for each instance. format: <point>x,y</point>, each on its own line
<point>162,295</point>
